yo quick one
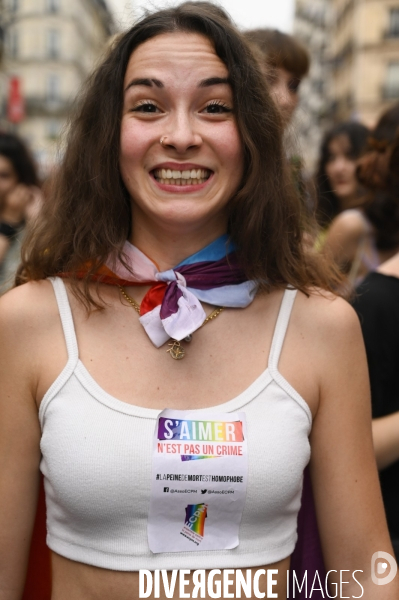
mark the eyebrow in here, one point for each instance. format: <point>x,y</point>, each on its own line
<point>146,82</point>
<point>202,84</point>
<point>214,81</point>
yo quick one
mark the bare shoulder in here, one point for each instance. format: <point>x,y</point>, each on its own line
<point>390,267</point>
<point>349,223</point>
<point>27,310</point>
<point>328,321</point>
<point>328,338</point>
<point>325,309</point>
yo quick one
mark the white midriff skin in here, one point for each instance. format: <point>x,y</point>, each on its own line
<point>176,89</point>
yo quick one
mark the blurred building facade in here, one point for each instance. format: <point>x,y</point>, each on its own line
<point>3,77</point>
<point>365,49</point>
<point>354,74</point>
<point>51,46</point>
<point>312,26</point>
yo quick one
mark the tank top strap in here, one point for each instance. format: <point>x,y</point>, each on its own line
<point>66,318</point>
<point>281,328</point>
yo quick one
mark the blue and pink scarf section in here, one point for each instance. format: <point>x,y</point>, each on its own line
<point>172,307</point>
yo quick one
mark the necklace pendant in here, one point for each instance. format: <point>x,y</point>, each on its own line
<point>176,351</point>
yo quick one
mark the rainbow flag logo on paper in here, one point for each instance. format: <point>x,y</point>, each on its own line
<point>195,518</point>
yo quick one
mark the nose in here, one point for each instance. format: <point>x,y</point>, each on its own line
<point>181,133</point>
<point>340,164</point>
<point>283,96</point>
<point>285,100</point>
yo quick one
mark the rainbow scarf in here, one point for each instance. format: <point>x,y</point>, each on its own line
<point>172,307</point>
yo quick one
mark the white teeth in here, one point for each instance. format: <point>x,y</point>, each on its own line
<point>182,181</point>
<point>186,177</point>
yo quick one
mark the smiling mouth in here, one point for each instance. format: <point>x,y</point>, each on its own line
<point>187,177</point>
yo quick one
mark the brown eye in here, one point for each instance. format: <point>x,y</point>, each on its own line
<point>293,85</point>
<point>146,107</point>
<point>217,108</point>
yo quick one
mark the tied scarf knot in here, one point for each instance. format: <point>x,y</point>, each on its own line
<point>172,307</point>
<point>180,313</point>
<point>172,276</point>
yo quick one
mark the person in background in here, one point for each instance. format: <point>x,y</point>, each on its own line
<point>377,304</point>
<point>19,200</point>
<point>285,62</point>
<point>367,233</point>
<point>336,184</point>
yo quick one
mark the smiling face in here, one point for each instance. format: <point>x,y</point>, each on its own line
<point>341,169</point>
<point>176,90</point>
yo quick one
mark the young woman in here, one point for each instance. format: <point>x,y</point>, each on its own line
<point>376,303</point>
<point>177,148</point>
<point>285,63</point>
<point>18,199</point>
<point>336,183</point>
<point>364,233</point>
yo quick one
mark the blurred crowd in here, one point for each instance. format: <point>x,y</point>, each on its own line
<point>350,212</point>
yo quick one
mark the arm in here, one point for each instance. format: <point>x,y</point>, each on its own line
<point>347,494</point>
<point>386,440</point>
<point>343,238</point>
<point>19,441</point>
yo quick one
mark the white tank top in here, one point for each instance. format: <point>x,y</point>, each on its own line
<point>96,462</point>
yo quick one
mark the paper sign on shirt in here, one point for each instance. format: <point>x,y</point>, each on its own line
<point>199,481</point>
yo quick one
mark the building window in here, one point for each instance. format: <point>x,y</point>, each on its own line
<point>53,129</point>
<point>53,43</point>
<point>13,43</point>
<point>52,6</point>
<point>53,88</point>
<point>393,30</point>
<point>392,81</point>
<point>318,86</point>
<point>13,5</point>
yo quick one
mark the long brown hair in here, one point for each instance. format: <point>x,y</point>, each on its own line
<point>378,171</point>
<point>87,215</point>
<point>280,50</point>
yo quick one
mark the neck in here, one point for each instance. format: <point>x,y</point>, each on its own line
<point>168,246</point>
<point>353,201</point>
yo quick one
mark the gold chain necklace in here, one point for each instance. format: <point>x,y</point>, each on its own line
<point>176,350</point>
